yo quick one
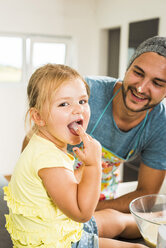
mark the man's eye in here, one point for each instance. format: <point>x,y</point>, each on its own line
<point>138,73</point>
<point>63,104</point>
<point>157,84</point>
<point>82,101</point>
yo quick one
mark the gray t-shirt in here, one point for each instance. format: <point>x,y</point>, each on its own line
<point>151,141</point>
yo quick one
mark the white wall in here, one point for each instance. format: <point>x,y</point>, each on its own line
<point>86,21</point>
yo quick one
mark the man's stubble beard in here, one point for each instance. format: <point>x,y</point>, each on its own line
<point>146,107</point>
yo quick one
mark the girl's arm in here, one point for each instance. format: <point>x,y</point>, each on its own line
<point>76,200</point>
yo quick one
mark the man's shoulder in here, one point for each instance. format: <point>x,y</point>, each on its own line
<point>101,84</point>
<point>100,80</point>
<point>159,112</point>
<point>157,119</point>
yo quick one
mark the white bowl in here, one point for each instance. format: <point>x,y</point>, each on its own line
<point>149,212</point>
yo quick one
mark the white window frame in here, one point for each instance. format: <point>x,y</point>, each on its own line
<point>27,51</point>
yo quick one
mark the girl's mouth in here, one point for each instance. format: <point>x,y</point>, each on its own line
<point>73,126</point>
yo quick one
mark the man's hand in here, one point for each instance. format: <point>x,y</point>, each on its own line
<point>149,182</point>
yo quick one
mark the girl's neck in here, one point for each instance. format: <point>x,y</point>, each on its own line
<point>59,144</point>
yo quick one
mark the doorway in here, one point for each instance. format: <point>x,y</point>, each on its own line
<point>138,32</point>
<point>113,52</point>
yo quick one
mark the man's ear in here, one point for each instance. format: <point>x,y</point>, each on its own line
<point>36,117</point>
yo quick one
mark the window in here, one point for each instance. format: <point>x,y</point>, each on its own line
<point>22,54</point>
<point>11,59</point>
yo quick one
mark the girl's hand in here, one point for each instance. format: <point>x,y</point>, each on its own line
<point>91,153</point>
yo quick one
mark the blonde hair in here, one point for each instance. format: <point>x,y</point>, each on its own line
<point>43,82</point>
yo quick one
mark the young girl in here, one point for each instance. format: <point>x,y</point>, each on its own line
<point>48,203</point>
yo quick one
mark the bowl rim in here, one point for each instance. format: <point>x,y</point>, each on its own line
<point>141,197</point>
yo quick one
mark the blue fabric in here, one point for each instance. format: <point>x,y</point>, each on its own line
<point>89,237</point>
<point>152,143</point>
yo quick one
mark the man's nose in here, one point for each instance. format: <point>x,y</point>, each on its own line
<point>143,86</point>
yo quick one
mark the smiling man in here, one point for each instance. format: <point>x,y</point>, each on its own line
<point>129,119</point>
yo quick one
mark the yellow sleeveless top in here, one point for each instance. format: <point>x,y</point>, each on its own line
<point>33,220</point>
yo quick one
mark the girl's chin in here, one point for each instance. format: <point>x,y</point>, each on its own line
<point>75,141</point>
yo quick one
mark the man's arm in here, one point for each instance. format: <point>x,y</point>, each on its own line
<point>149,182</point>
<point>25,143</point>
